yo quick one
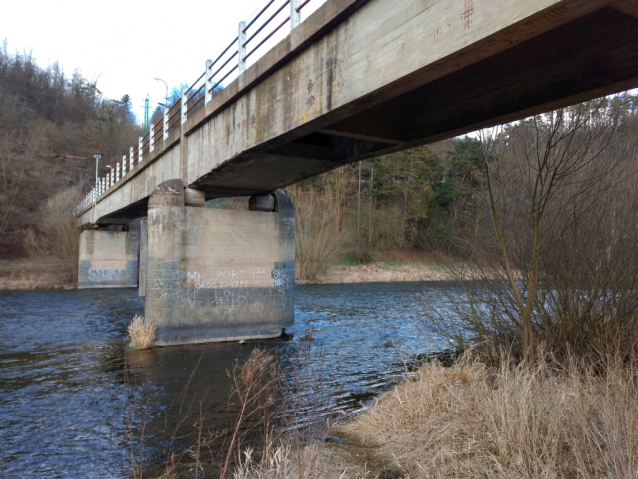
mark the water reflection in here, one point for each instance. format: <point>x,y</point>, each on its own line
<point>63,380</point>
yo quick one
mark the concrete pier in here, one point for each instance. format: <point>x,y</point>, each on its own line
<point>108,259</point>
<point>218,275</point>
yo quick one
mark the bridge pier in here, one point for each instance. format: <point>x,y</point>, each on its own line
<point>218,275</point>
<point>108,259</point>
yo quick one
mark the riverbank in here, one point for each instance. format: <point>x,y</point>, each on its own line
<point>30,276</point>
<point>473,421</point>
<point>379,272</point>
<point>23,275</point>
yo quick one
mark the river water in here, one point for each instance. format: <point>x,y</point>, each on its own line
<point>64,384</point>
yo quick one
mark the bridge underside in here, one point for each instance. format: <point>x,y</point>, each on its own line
<point>588,57</point>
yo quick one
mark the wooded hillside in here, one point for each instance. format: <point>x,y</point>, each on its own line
<point>51,125</point>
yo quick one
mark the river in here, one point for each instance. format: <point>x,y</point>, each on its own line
<point>64,384</point>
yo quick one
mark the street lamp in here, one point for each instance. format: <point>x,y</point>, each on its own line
<point>97,159</point>
<point>166,97</point>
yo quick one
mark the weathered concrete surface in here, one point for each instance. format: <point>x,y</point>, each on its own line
<point>108,259</point>
<point>363,78</point>
<point>218,275</point>
<point>142,257</point>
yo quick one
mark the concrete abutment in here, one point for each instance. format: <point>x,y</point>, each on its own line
<point>216,275</point>
<point>108,259</point>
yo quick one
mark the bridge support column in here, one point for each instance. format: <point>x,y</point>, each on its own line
<point>108,259</point>
<point>218,275</point>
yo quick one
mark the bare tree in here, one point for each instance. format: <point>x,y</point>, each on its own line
<point>548,180</point>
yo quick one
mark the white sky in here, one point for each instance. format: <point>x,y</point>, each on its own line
<point>125,44</point>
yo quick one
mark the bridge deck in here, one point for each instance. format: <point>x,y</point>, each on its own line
<point>363,78</point>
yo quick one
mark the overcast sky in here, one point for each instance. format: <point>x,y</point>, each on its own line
<point>125,44</point>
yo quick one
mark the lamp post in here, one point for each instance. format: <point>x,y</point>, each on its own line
<point>166,97</point>
<point>97,159</point>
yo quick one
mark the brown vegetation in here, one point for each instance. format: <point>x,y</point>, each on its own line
<point>554,255</point>
<point>379,273</point>
<point>517,421</point>
<point>141,332</point>
<point>25,274</point>
<point>318,238</point>
<point>50,128</point>
<point>54,239</point>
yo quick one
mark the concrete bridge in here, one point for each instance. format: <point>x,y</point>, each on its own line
<point>356,79</point>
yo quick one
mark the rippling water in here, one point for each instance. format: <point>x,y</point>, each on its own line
<point>62,375</point>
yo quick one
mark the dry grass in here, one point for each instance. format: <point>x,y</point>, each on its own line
<point>141,332</point>
<point>31,275</point>
<point>293,462</point>
<point>524,422</point>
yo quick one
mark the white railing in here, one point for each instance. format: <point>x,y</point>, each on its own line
<point>254,38</point>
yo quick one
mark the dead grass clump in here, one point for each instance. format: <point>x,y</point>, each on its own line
<point>522,421</point>
<point>141,332</point>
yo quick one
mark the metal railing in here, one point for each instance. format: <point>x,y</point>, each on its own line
<point>231,61</point>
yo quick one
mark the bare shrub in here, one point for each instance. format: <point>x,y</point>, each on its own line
<point>55,241</point>
<point>522,421</point>
<point>318,238</point>
<point>275,419</point>
<point>555,250</point>
<point>141,332</point>
<point>293,441</point>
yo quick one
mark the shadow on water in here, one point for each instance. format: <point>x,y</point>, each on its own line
<point>63,380</point>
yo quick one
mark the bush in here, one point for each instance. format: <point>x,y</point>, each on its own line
<point>141,332</point>
<point>319,238</point>
<point>55,240</point>
<point>556,251</point>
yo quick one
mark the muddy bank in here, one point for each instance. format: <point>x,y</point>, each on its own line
<point>378,273</point>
